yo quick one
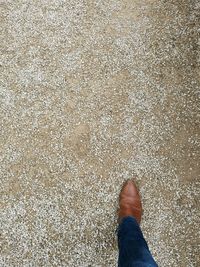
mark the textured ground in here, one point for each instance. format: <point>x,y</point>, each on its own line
<point>92,93</point>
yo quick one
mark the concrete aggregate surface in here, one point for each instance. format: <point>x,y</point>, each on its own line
<point>94,92</point>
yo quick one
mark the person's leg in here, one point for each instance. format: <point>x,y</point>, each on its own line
<point>133,249</point>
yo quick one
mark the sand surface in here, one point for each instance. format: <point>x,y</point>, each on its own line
<point>92,93</point>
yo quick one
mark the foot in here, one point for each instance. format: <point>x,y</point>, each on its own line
<point>129,202</point>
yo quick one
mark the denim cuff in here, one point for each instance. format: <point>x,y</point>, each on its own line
<point>123,219</point>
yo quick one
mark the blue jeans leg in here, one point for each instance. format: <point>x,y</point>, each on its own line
<point>133,249</point>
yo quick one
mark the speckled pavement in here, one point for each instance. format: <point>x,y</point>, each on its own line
<point>92,93</point>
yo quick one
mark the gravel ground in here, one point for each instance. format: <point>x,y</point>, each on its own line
<point>94,92</point>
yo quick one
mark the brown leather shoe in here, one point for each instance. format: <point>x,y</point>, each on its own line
<point>129,201</point>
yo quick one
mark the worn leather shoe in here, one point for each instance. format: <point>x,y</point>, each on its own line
<point>129,202</point>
